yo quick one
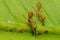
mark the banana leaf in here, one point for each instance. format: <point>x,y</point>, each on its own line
<point>14,13</point>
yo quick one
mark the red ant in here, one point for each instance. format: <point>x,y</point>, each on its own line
<point>38,9</point>
<point>30,15</point>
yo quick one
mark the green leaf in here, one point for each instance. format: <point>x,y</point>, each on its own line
<point>12,13</point>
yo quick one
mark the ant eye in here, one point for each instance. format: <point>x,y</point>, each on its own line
<point>30,15</point>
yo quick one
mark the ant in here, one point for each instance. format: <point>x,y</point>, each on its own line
<point>30,15</point>
<point>33,26</point>
<point>38,9</point>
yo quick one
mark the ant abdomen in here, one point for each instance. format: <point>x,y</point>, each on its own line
<point>34,27</point>
<point>30,15</point>
<point>43,18</point>
<point>38,6</point>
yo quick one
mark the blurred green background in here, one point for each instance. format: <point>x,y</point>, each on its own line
<point>12,13</point>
